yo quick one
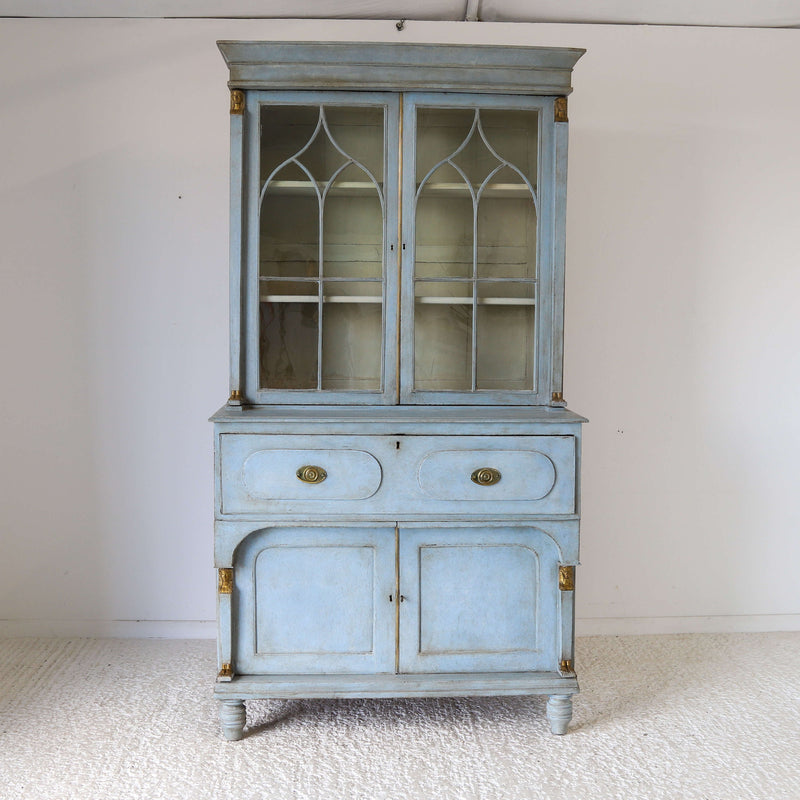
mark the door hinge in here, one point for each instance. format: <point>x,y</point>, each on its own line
<point>566,578</point>
<point>226,673</point>
<point>225,581</point>
<point>237,101</point>
<point>560,110</point>
<point>566,665</point>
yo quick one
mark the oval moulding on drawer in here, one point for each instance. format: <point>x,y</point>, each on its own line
<point>272,475</point>
<point>524,475</point>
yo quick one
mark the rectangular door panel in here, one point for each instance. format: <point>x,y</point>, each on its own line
<point>478,600</point>
<point>315,600</point>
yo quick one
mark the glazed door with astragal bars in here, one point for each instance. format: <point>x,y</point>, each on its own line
<point>323,207</point>
<point>476,300</point>
<point>346,219</point>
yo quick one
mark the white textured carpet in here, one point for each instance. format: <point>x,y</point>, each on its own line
<point>678,717</point>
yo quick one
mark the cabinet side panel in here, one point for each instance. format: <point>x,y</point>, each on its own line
<point>236,251</point>
<point>559,257</point>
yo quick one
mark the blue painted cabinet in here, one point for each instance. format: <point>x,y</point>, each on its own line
<point>397,475</point>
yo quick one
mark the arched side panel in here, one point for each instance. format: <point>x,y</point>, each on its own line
<point>480,599</point>
<point>314,600</point>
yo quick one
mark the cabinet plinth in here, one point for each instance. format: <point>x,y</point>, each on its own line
<point>397,479</point>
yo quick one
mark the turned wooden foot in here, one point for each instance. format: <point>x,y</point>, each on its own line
<point>232,718</point>
<point>559,712</point>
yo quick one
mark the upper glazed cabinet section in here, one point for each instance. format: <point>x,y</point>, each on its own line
<point>397,246</point>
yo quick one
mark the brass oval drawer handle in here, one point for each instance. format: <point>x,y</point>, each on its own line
<point>311,474</point>
<point>486,476</point>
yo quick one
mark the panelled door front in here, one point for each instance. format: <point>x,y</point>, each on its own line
<point>325,600</point>
<point>478,600</point>
<point>315,600</point>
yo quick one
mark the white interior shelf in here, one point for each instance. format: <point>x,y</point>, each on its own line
<point>339,187</point>
<point>350,298</point>
<point>313,298</point>
<point>492,190</point>
<point>345,188</point>
<point>482,301</point>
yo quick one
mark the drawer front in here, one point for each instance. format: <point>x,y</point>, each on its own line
<point>513,475</point>
<point>396,477</point>
<point>261,473</point>
<point>483,474</point>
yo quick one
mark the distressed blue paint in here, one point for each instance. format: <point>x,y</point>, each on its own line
<point>256,100</point>
<point>397,575</point>
<point>314,600</point>
<point>392,475</point>
<point>400,67</point>
<point>544,309</point>
<point>478,600</point>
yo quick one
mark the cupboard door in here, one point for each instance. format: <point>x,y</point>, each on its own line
<point>478,600</point>
<point>477,221</point>
<point>322,244</point>
<point>315,600</point>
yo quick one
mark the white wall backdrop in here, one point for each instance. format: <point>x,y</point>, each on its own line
<point>683,318</point>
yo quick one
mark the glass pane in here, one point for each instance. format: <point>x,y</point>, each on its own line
<point>289,312</point>
<point>352,325</point>
<point>506,228</point>
<point>440,132</point>
<point>443,336</point>
<point>284,131</point>
<point>321,172</point>
<point>359,132</point>
<point>297,132</point>
<point>352,227</point>
<point>505,336</point>
<point>444,229</point>
<point>476,219</point>
<point>289,243</point>
<point>475,159</point>
<point>514,135</point>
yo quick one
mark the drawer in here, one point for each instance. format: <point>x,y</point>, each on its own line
<point>396,477</point>
<point>498,473</point>
<point>260,472</point>
<point>477,475</point>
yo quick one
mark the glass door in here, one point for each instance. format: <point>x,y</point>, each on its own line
<point>323,229</point>
<point>475,283</point>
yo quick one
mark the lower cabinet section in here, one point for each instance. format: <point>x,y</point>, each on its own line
<point>367,600</point>
<point>396,610</point>
<point>360,559</point>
